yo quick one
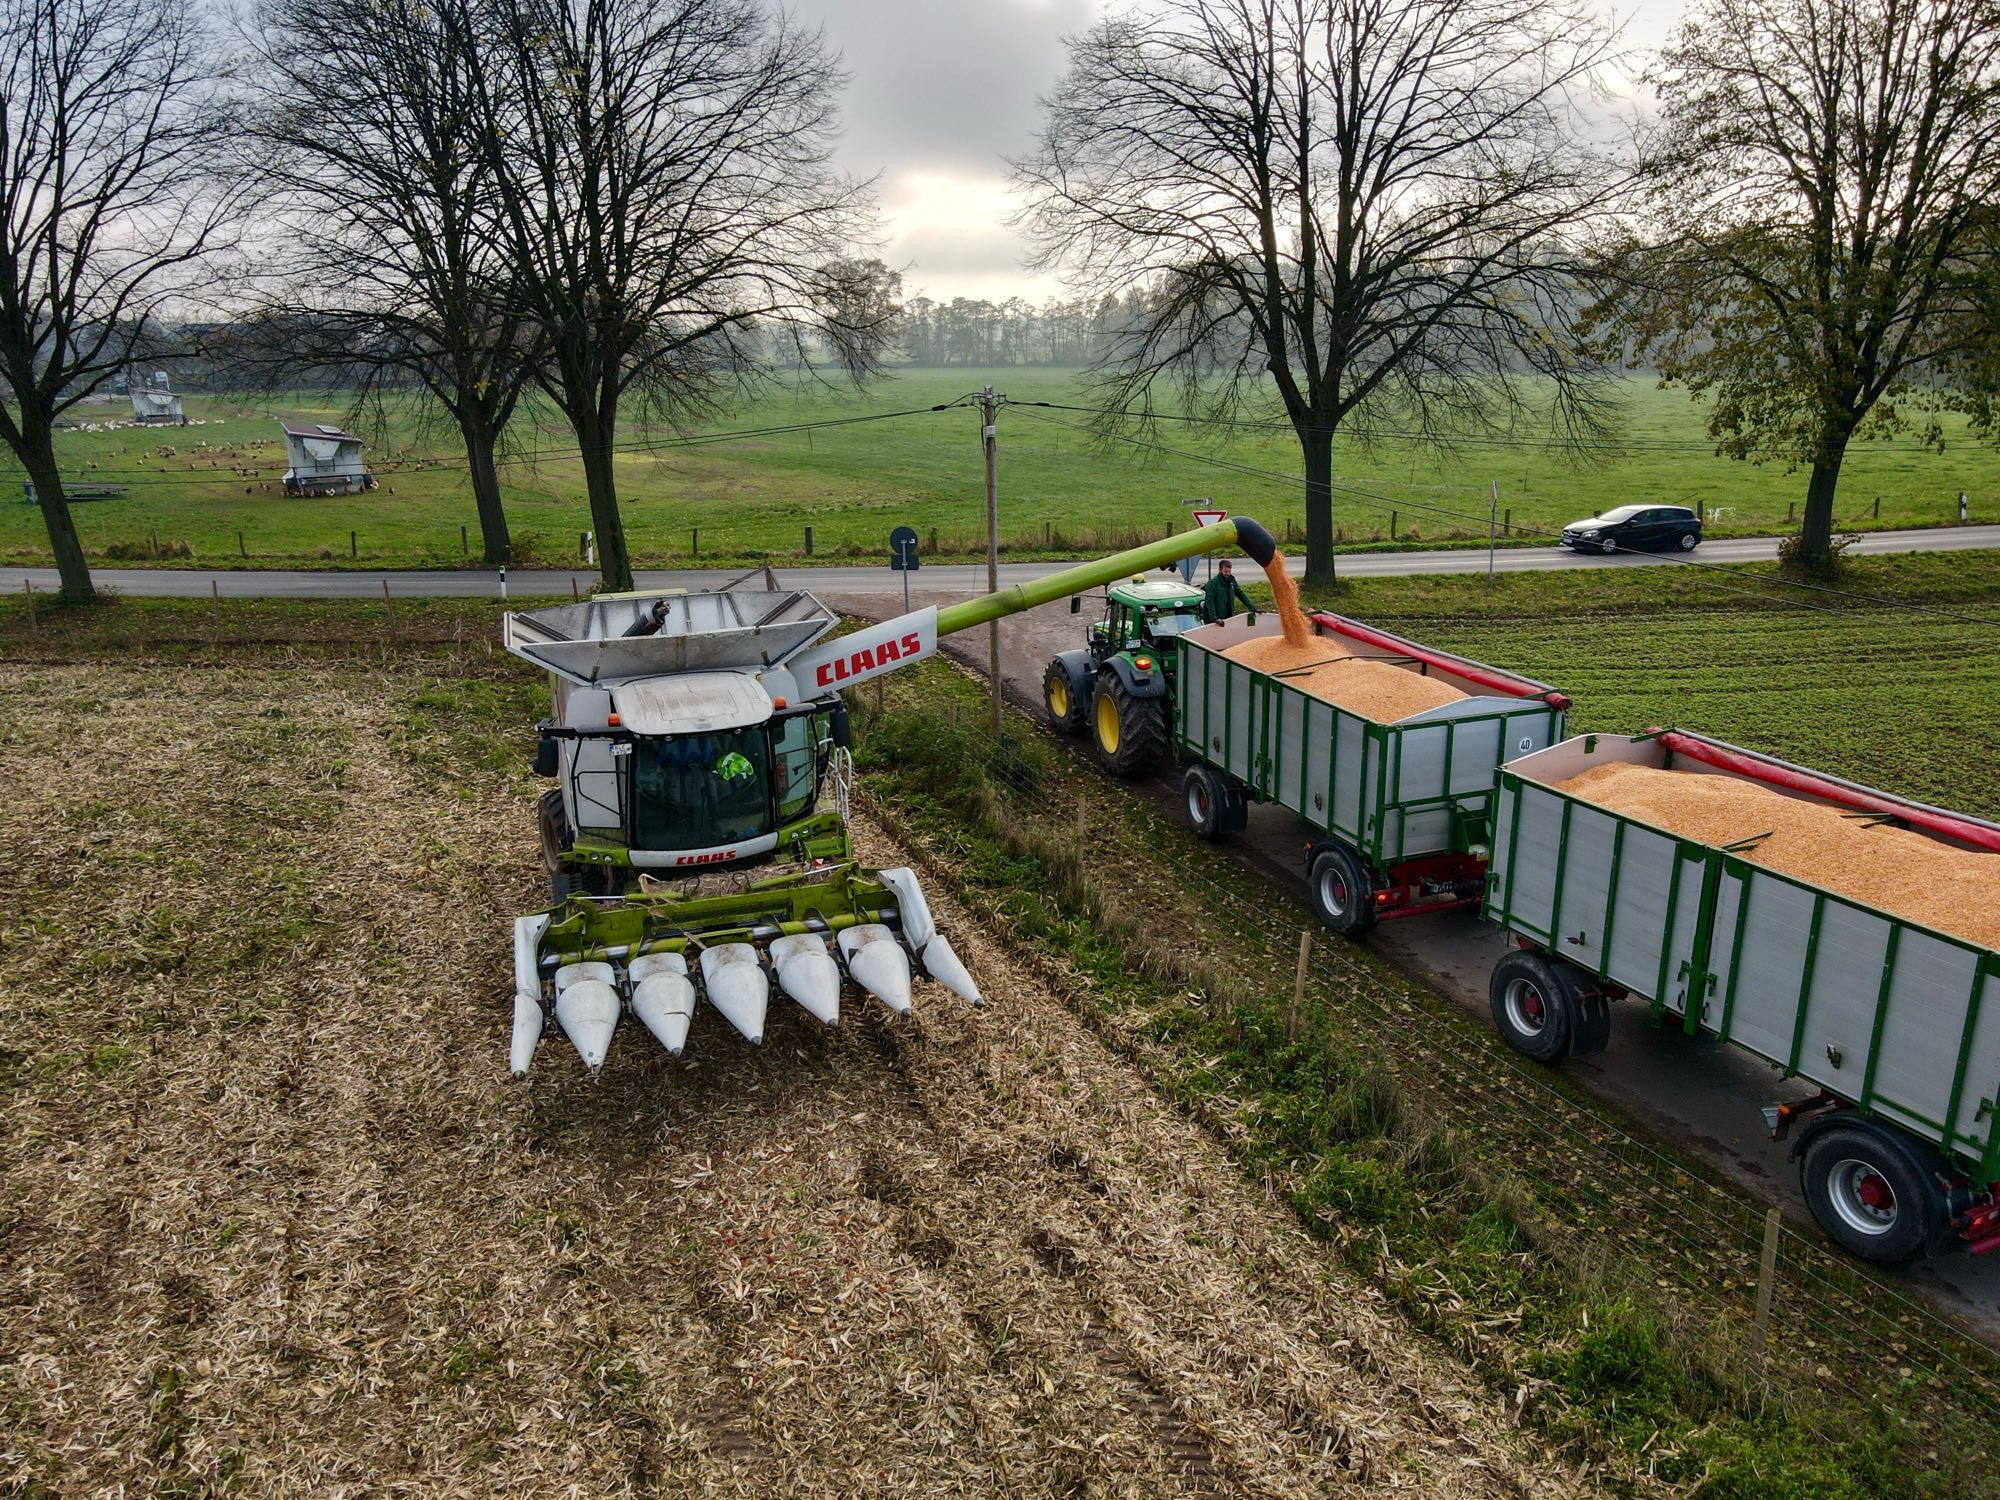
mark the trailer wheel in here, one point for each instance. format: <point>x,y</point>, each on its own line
<point>1212,802</point>
<point>1341,890</point>
<point>1066,710</point>
<point>1130,733</point>
<point>1533,1008</point>
<point>1870,1193</point>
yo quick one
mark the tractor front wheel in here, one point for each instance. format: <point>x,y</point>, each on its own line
<point>1067,708</point>
<point>1130,733</point>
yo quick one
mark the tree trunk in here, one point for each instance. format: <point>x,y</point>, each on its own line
<point>595,427</point>
<point>1816,525</point>
<point>38,457</point>
<point>1317,446</point>
<point>478,435</point>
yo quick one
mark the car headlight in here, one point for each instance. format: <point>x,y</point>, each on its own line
<point>1593,532</point>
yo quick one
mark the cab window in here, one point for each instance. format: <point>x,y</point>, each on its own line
<point>794,769</point>
<point>700,791</point>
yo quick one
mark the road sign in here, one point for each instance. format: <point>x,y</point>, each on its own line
<point>1210,517</point>
<point>903,549</point>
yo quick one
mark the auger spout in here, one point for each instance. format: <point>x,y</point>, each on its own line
<point>1239,531</point>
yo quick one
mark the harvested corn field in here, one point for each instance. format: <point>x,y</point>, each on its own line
<point>1908,875</point>
<point>276,1218</point>
<point>1325,668</point>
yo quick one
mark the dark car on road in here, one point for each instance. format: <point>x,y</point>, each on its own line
<point>1636,528</point>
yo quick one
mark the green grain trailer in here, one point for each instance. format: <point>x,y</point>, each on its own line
<point>1400,812</point>
<point>1897,1025</point>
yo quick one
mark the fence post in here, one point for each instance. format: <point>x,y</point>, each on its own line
<point>1962,514</point>
<point>353,544</point>
<point>694,543</point>
<point>156,544</point>
<point>1298,986</point>
<point>934,541</point>
<point>1878,507</point>
<point>464,543</point>
<point>1045,535</point>
<point>241,550</point>
<point>1508,525</point>
<point>215,599</point>
<point>809,541</point>
<point>34,625</point>
<point>1790,506</point>
<point>1392,526</point>
<point>1767,1278</point>
<point>575,595</point>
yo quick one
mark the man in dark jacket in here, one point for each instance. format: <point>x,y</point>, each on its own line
<point>1220,594</point>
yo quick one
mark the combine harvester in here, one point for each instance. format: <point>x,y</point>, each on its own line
<point>696,840</point>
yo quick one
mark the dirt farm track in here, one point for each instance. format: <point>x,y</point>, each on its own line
<point>273,1217</point>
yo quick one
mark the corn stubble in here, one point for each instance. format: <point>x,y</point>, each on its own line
<point>277,1218</point>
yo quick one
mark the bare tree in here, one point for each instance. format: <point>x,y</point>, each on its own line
<point>1822,254</point>
<point>113,135</point>
<point>1369,202</point>
<point>666,201</point>
<point>391,264</point>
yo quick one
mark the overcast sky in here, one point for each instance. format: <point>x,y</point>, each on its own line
<point>941,92</point>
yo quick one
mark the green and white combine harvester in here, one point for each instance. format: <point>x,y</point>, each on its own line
<point>696,840</point>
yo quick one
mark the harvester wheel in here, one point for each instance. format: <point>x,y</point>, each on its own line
<point>1130,733</point>
<point>1533,1009</point>
<point>1342,892</point>
<point>1068,710</point>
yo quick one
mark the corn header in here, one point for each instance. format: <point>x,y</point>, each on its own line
<point>696,840</point>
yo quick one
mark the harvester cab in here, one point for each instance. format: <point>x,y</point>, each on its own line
<point>1119,685</point>
<point>696,838</point>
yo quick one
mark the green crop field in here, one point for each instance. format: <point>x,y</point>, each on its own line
<point>209,492</point>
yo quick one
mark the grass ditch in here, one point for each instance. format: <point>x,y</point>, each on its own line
<point>1595,1344</point>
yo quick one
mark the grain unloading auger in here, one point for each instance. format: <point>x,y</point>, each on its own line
<point>696,839</point>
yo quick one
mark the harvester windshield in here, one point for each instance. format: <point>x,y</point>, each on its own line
<point>700,791</point>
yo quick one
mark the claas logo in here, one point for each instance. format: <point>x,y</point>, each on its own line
<point>709,857</point>
<point>869,659</point>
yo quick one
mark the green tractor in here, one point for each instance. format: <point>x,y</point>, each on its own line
<point>1120,684</point>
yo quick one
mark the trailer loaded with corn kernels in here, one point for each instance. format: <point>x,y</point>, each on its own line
<point>1401,812</point>
<point>1895,1021</point>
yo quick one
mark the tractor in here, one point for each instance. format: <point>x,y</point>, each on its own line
<point>1120,685</point>
<point>696,839</point>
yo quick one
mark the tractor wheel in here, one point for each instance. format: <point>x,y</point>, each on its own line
<point>565,879</point>
<point>1533,1009</point>
<point>1212,802</point>
<point>1869,1189</point>
<point>1342,891</point>
<point>1130,733</point>
<point>1067,712</point>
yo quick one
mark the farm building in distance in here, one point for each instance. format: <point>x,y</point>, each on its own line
<point>324,460</point>
<point>153,405</point>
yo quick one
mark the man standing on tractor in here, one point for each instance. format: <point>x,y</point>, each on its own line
<point>1221,593</point>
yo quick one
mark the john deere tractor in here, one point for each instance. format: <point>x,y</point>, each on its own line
<point>1119,686</point>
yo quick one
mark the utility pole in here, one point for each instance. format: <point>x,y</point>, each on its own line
<point>989,412</point>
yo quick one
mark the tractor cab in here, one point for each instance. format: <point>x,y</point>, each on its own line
<point>1145,615</point>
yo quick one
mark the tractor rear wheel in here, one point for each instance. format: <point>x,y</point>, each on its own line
<point>1066,707</point>
<point>1130,733</point>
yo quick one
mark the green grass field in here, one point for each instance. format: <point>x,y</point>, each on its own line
<point>198,487</point>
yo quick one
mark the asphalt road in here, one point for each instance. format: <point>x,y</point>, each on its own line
<point>1703,1096</point>
<point>956,579</point>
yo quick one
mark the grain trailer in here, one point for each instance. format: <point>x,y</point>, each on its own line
<point>1895,1023</point>
<point>1400,812</point>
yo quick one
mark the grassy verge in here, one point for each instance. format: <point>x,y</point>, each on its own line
<point>1566,1288</point>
